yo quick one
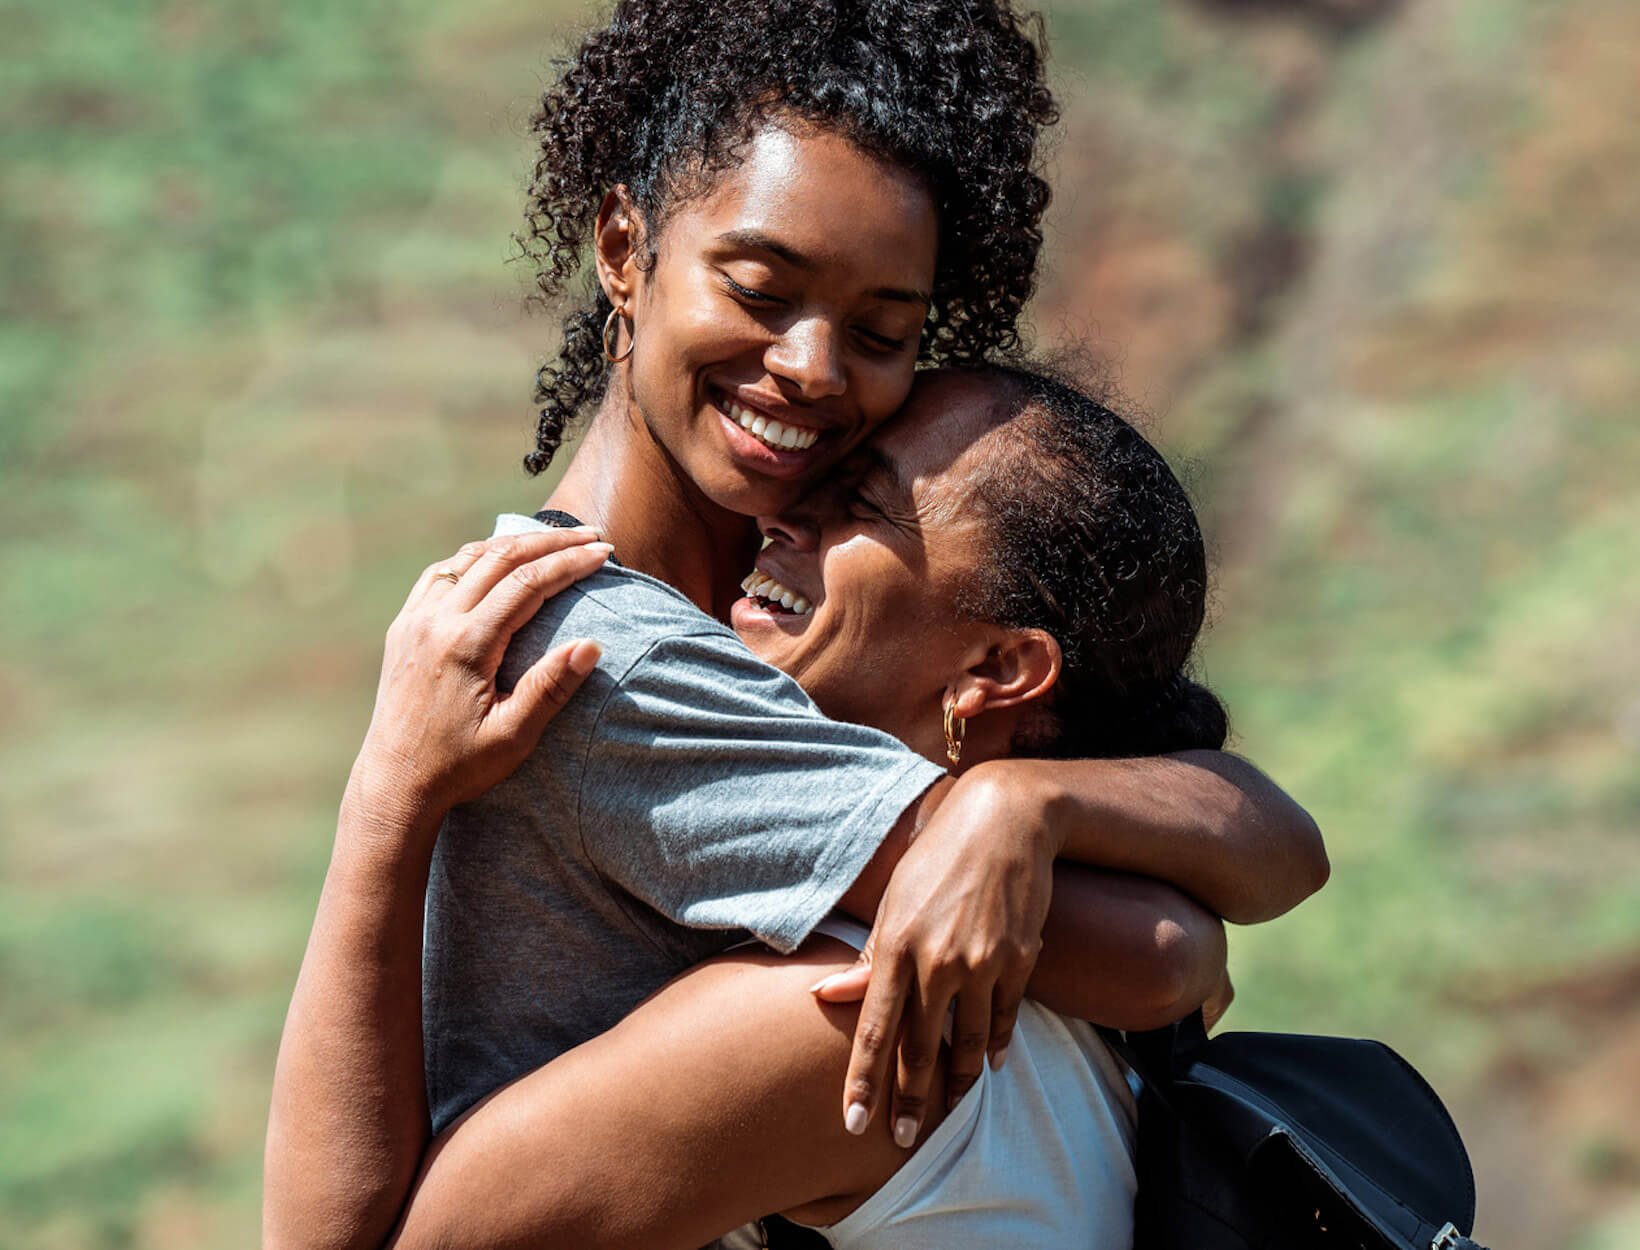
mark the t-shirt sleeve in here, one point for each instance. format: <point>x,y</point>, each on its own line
<point>716,792</point>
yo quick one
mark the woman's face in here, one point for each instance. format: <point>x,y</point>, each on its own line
<point>875,559</point>
<point>780,321</point>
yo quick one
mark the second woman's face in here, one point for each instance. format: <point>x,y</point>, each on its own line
<point>874,561</point>
<point>780,321</point>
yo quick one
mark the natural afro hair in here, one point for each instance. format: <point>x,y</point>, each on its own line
<point>662,97</point>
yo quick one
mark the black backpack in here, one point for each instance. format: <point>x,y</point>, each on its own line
<point>1275,1141</point>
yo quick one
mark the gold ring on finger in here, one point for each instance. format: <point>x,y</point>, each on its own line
<point>449,575</point>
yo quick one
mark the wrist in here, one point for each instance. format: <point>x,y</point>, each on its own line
<point>387,802</point>
<point>1027,797</point>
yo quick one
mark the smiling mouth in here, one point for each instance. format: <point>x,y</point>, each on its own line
<point>772,595</point>
<point>773,434</point>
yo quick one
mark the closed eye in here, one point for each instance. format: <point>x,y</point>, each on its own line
<point>863,505</point>
<point>746,293</point>
<point>882,342</point>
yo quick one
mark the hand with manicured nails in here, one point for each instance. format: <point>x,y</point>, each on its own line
<point>960,923</point>
<point>442,732</point>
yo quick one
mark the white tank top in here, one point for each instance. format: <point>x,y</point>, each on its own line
<point>1037,1156</point>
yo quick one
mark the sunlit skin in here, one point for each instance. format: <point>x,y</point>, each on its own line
<point>881,552</point>
<point>795,286</point>
<point>796,283</point>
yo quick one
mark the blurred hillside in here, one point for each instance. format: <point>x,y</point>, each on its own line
<point>1371,267</point>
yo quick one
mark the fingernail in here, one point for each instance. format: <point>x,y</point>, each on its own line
<point>587,529</point>
<point>905,1132</point>
<point>584,658</point>
<point>997,1056</point>
<point>822,983</point>
<point>606,548</point>
<point>854,1119</point>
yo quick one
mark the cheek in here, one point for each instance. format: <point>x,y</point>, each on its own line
<point>882,388</point>
<point>883,642</point>
<point>695,325</point>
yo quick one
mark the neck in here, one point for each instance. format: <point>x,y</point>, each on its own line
<point>660,523</point>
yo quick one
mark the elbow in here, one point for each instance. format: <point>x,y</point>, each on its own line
<point>316,1221</point>
<point>1295,867</point>
<point>1313,868</point>
<point>1188,960</point>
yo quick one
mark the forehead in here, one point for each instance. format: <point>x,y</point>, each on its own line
<point>938,441</point>
<point>822,198</point>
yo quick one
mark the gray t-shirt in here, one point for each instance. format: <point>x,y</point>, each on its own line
<point>687,795</point>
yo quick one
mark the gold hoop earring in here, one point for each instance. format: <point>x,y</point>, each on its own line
<point>611,323</point>
<point>956,729</point>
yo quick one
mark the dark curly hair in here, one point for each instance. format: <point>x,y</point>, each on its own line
<point>1092,538</point>
<point>661,98</point>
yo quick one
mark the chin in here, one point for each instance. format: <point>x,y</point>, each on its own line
<point>752,497</point>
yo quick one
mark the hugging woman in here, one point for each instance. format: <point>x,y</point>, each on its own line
<point>788,207</point>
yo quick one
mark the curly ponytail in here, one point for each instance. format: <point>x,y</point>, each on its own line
<point>660,97</point>
<point>1094,540</point>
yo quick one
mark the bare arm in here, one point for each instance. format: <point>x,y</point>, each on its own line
<point>348,1121</point>
<point>1207,821</point>
<point>681,1122</point>
<point>684,1120</point>
<point>1125,951</point>
<point>961,917</point>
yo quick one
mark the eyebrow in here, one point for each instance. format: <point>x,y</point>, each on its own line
<point>756,240</point>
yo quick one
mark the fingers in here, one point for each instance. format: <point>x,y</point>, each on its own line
<point>1010,992</point>
<point>518,595</point>
<point>503,555</point>
<point>544,689</point>
<point>874,1040</point>
<point>431,577</point>
<point>970,1039</point>
<point>848,986</point>
<point>919,1047</point>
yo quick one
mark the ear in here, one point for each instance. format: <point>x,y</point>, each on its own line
<point>1016,668</point>
<point>616,246</point>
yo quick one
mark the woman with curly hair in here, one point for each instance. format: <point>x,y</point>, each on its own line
<point>712,1102</point>
<point>788,206</point>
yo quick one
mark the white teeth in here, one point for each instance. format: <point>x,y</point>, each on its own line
<point>759,585</point>
<point>770,432</point>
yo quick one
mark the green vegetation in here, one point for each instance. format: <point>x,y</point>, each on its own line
<point>261,359</point>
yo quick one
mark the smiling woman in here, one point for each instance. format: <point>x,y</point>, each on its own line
<point>779,235</point>
<point>947,97</point>
<point>770,314</point>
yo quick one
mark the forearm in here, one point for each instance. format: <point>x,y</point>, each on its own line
<point>681,1122</point>
<point>1125,951</point>
<point>349,1121</point>
<point>1205,821</point>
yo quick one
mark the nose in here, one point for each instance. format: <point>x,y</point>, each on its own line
<point>808,355</point>
<point>798,527</point>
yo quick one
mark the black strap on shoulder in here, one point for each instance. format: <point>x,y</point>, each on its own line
<point>557,519</point>
<point>567,521</point>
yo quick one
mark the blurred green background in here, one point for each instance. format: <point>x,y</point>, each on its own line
<point>1371,267</point>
